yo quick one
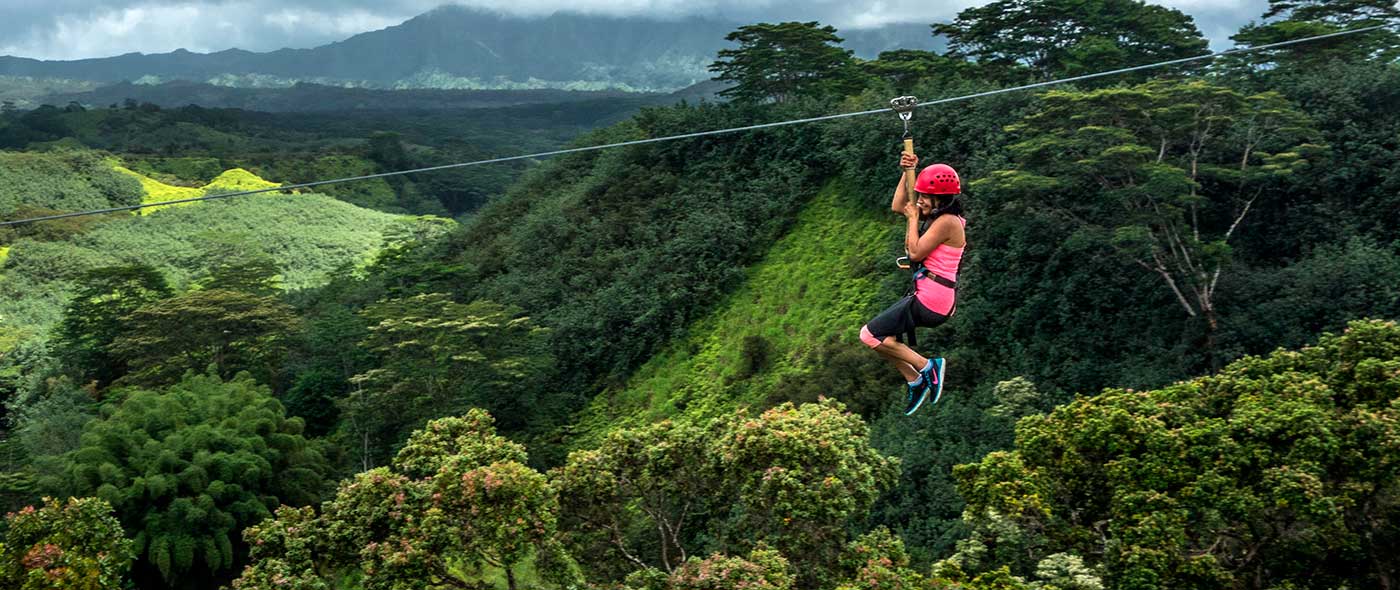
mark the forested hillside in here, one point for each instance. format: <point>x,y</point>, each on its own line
<point>1174,362</point>
<point>191,145</point>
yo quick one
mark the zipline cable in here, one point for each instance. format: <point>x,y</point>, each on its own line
<point>290,187</point>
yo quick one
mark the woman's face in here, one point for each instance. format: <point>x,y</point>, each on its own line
<point>925,204</point>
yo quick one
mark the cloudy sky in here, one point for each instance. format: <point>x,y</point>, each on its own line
<point>72,29</point>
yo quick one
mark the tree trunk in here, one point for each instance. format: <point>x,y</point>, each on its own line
<point>510,577</point>
<point>1212,325</point>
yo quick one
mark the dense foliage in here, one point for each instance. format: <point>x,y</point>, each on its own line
<point>33,184</point>
<point>1281,469</point>
<point>792,478</point>
<point>188,467</point>
<point>435,357</point>
<point>456,500</point>
<point>783,62</point>
<point>1067,37</point>
<point>191,145</point>
<point>656,322</point>
<point>309,238</point>
<point>72,545</point>
<point>1175,169</point>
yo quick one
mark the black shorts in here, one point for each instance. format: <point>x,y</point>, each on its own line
<point>900,319</point>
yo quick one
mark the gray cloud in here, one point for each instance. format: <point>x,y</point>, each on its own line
<point>73,29</point>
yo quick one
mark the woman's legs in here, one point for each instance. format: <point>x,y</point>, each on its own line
<point>897,319</point>
<point>894,349</point>
<point>909,372</point>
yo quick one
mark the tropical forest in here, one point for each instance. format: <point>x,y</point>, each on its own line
<point>275,327</point>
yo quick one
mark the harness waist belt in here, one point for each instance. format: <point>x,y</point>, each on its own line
<point>923,273</point>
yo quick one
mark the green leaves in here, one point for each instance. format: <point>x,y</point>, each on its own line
<point>231,331</point>
<point>72,545</point>
<point>792,478</point>
<point>1260,473</point>
<point>784,62</point>
<point>188,467</point>
<point>458,500</point>
<point>435,357</point>
<point>96,317</point>
<point>1063,37</point>
<point>1169,169</point>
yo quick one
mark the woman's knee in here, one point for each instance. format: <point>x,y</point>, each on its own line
<point>868,338</point>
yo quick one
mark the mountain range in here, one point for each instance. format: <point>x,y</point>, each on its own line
<point>455,47</point>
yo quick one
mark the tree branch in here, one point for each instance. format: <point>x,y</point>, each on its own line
<point>1166,276</point>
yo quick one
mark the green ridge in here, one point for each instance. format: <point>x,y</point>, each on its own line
<point>309,236</point>
<point>816,284</point>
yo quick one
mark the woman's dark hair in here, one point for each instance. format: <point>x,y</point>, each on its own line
<point>954,206</point>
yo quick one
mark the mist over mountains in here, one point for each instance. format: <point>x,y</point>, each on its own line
<point>455,47</point>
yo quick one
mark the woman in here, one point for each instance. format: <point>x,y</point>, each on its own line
<point>935,239</point>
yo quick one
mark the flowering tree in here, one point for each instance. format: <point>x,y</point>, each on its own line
<point>457,499</point>
<point>72,545</point>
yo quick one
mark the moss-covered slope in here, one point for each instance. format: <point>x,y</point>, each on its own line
<point>815,286</point>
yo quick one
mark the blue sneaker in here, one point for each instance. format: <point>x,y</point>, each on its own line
<point>934,376</point>
<point>916,396</point>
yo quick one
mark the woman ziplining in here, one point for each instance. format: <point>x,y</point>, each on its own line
<point>934,239</point>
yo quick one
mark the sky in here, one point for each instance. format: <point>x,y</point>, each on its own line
<point>75,29</point>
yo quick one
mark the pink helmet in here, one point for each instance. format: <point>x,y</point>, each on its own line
<point>938,179</point>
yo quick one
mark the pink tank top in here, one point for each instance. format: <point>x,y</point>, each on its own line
<point>942,261</point>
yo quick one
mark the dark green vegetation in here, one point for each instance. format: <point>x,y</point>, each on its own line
<point>190,466</point>
<point>1097,35</point>
<point>316,98</point>
<point>659,325</point>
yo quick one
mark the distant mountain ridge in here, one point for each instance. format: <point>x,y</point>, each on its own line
<point>308,97</point>
<point>455,47</point>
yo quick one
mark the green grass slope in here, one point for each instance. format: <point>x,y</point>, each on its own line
<point>61,181</point>
<point>310,236</point>
<point>816,286</point>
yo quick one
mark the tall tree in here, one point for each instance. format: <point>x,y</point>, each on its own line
<point>1068,37</point>
<point>903,68</point>
<point>96,317</point>
<point>1294,19</point>
<point>785,61</point>
<point>1165,172</point>
<point>659,479</point>
<point>793,478</point>
<point>438,357</point>
<point>188,467</point>
<point>231,330</point>
<point>456,499</point>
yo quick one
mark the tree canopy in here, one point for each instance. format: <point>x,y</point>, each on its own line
<point>785,61</point>
<point>1166,172</point>
<point>188,467</point>
<point>456,500</point>
<point>64,545</point>
<point>1277,470</point>
<point>1295,19</point>
<point>793,478</point>
<point>1069,37</point>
